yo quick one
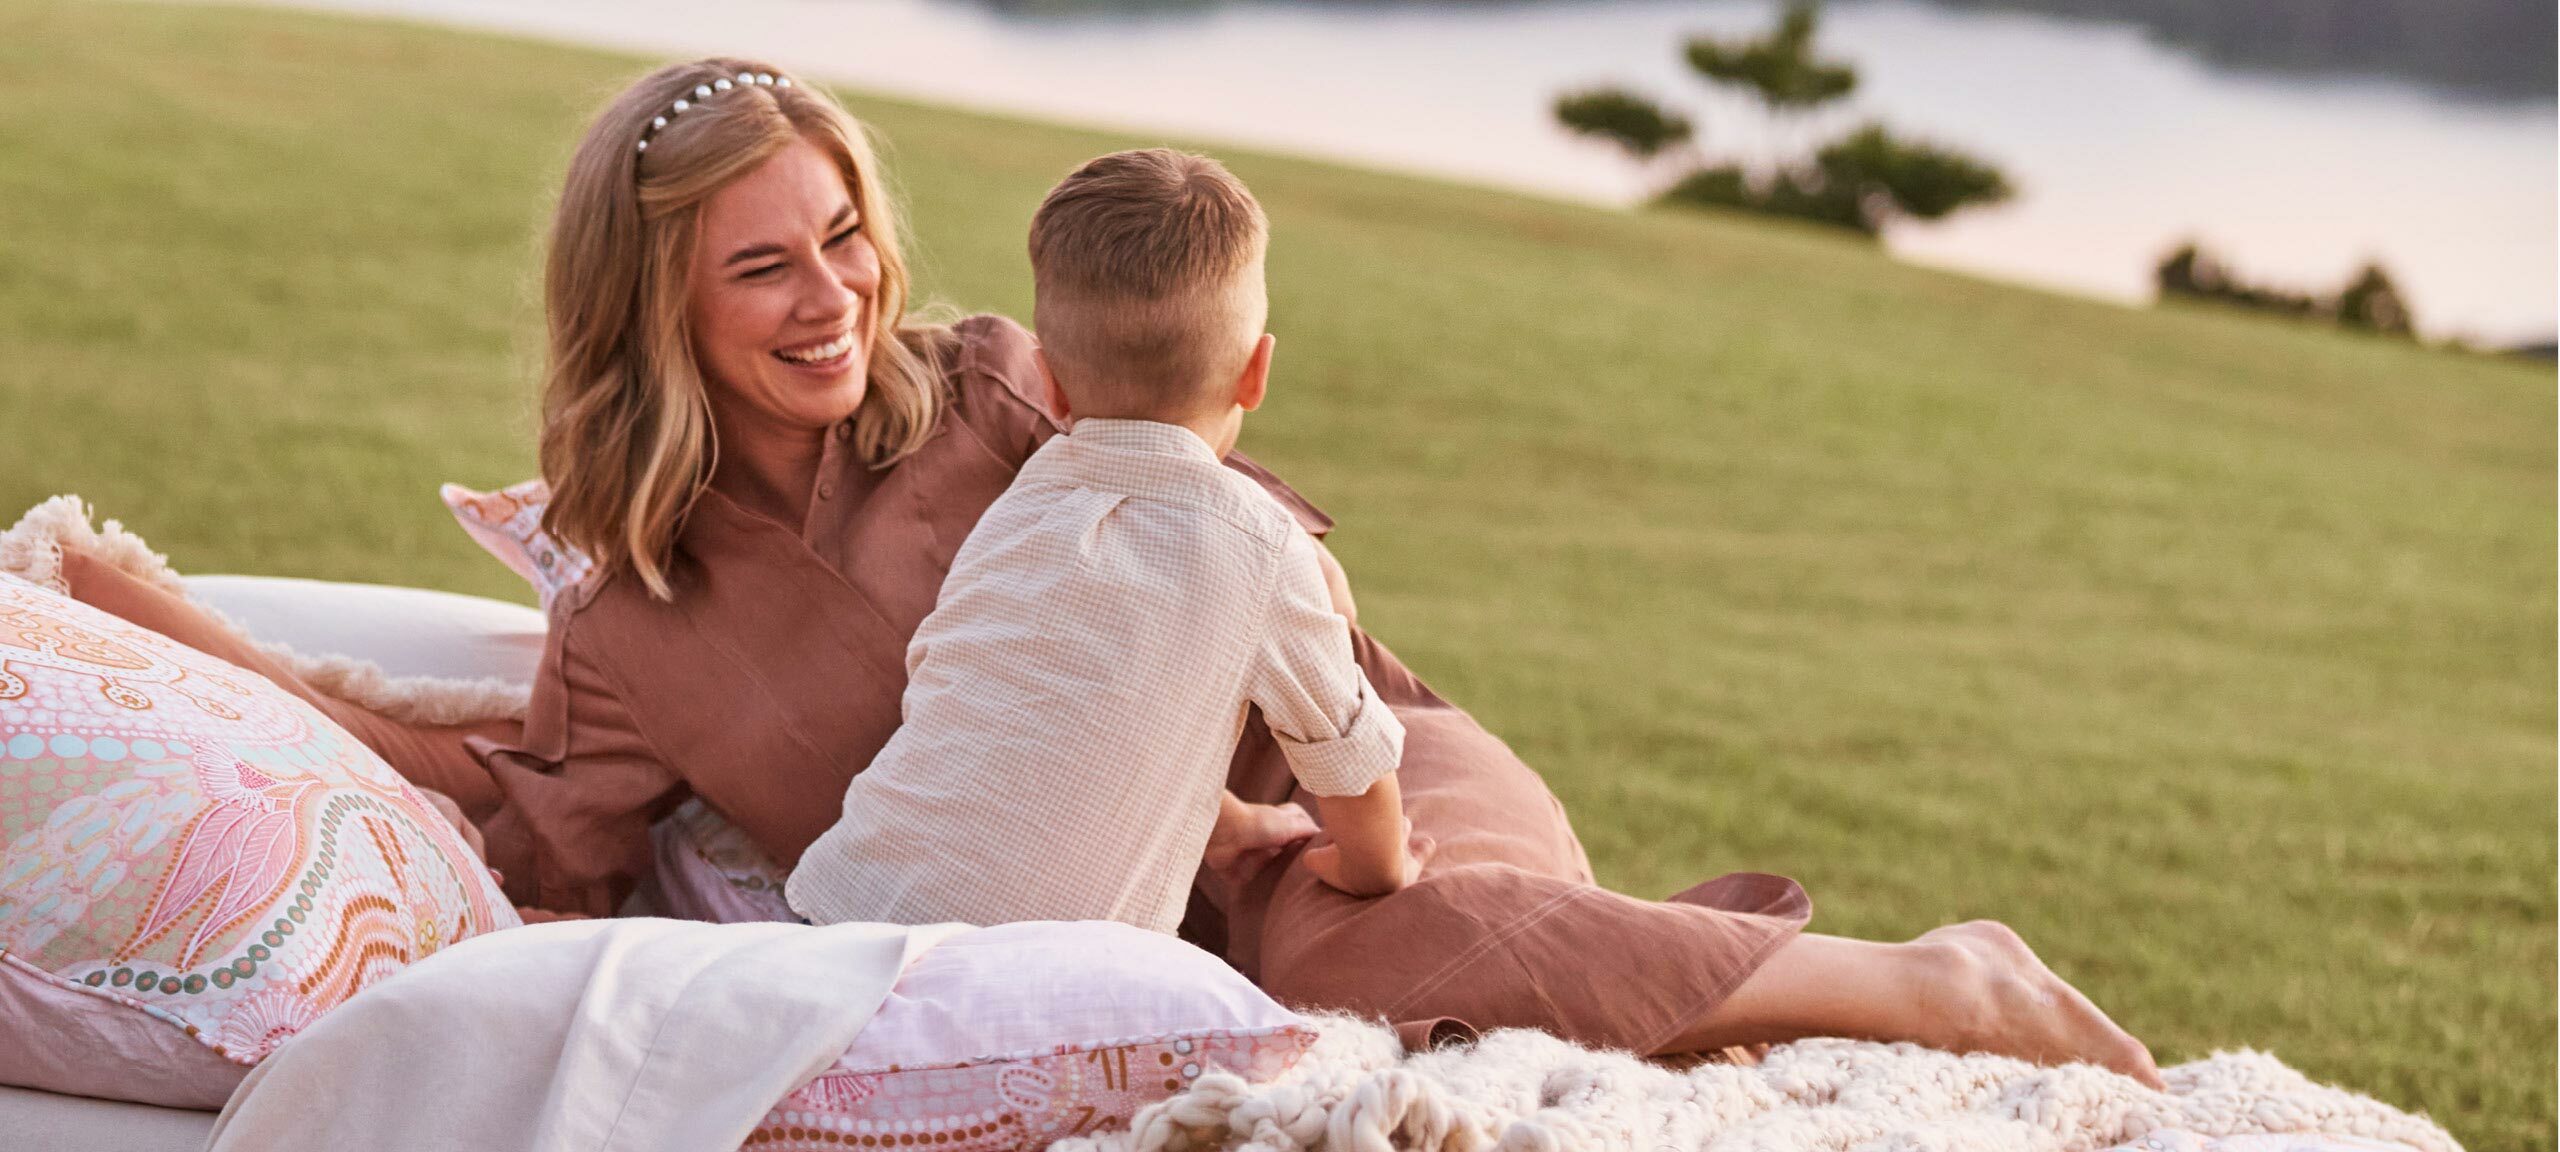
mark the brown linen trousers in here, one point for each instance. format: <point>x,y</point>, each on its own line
<point>774,675</point>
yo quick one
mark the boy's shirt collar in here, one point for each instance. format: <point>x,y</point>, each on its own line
<point>1142,436</point>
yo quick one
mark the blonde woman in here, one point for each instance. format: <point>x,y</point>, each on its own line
<point>773,460</point>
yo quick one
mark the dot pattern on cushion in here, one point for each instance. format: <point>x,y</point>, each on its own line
<point>183,838</point>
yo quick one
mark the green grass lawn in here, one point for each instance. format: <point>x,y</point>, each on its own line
<point>2214,653</point>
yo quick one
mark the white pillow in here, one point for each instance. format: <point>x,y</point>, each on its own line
<point>1044,987</point>
<point>1008,1039</point>
<point>406,631</point>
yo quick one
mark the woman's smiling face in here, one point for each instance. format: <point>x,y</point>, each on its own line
<point>783,280</point>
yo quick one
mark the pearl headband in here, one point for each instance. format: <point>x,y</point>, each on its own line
<point>703,92</point>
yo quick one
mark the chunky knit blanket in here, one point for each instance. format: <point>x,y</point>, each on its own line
<point>1521,1091</point>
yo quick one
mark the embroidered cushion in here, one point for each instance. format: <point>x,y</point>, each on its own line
<point>1011,1037</point>
<point>188,850</point>
<point>508,522</point>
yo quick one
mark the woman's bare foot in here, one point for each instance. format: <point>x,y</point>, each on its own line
<point>1965,988</point>
<point>1988,992</point>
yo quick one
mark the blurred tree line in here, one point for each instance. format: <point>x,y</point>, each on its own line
<point>2499,49</point>
<point>2369,302</point>
<point>1861,180</point>
<point>2495,48</point>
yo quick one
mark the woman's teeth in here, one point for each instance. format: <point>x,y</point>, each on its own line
<point>819,353</point>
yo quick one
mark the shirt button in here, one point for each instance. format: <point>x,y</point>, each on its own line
<point>826,490</point>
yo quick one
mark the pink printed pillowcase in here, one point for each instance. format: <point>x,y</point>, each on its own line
<point>1006,1039</point>
<point>194,863</point>
<point>508,523</point>
<point>704,868</point>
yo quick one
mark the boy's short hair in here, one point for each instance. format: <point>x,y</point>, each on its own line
<point>1148,270</point>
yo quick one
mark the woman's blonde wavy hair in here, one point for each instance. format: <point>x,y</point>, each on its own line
<point>627,437</point>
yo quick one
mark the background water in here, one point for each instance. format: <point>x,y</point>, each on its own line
<point>2121,144</point>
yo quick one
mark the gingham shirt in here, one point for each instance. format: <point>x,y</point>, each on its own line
<point>1074,698</point>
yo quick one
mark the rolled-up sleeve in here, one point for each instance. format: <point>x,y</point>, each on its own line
<point>1338,738</point>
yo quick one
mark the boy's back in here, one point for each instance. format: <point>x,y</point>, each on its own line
<point>1076,694</point>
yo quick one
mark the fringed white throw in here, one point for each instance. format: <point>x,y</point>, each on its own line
<point>1520,1091</point>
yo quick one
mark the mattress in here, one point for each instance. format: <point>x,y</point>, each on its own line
<point>43,1122</point>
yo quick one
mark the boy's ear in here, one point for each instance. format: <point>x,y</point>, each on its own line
<point>1256,378</point>
<point>1053,399</point>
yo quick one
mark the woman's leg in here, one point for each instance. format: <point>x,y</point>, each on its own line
<point>427,756</point>
<point>1506,929</point>
<point>1973,987</point>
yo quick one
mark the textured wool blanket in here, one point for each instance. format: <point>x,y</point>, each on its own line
<point>1521,1091</point>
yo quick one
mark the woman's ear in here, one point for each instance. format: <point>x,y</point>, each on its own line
<point>1256,378</point>
<point>1053,399</point>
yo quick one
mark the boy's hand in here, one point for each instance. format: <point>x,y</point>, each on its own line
<point>1366,878</point>
<point>1247,836</point>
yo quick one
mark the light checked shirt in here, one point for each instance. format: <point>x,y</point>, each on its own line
<point>1074,698</point>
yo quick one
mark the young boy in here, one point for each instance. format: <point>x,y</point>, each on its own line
<point>1074,698</point>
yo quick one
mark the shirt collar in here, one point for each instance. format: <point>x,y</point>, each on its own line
<point>1142,436</point>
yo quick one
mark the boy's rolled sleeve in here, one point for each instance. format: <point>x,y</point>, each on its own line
<point>1339,738</point>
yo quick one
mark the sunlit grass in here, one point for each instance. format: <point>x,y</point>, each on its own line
<point>2215,654</point>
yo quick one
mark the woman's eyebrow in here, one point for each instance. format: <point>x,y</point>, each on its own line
<point>760,251</point>
<point>752,252</point>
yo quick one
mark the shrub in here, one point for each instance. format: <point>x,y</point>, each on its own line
<point>1859,182</point>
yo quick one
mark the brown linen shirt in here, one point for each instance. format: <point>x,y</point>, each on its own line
<point>775,675</point>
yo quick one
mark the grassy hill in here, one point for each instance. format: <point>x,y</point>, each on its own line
<point>2214,653</point>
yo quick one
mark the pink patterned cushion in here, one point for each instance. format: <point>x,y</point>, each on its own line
<point>706,869</point>
<point>508,522</point>
<point>1008,1038</point>
<point>184,842</point>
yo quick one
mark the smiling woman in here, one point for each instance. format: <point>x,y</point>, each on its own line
<point>778,319</point>
<point>771,265</point>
